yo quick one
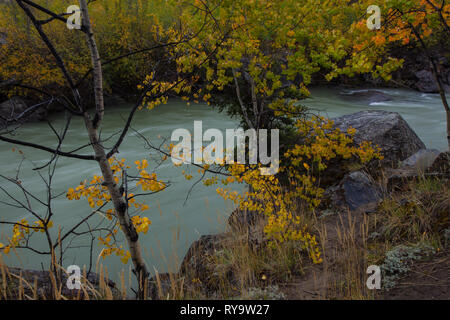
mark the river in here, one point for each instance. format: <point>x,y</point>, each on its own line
<point>175,224</point>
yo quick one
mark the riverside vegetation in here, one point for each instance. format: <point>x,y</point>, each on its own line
<point>288,238</point>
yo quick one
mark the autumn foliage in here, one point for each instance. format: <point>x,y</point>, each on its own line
<point>262,54</point>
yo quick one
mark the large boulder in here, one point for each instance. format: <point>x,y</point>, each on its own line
<point>202,263</point>
<point>386,129</point>
<point>356,192</point>
<point>195,261</point>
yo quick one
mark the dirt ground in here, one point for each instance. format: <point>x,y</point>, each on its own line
<point>427,280</point>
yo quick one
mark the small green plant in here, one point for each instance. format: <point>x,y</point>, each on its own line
<point>398,262</point>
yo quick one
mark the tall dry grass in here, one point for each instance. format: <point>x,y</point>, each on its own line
<point>18,284</point>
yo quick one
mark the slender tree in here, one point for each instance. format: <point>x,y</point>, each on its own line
<point>152,93</point>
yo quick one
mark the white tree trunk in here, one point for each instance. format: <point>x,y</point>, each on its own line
<point>120,204</point>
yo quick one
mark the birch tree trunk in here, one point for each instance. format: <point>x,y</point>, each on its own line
<point>448,127</point>
<point>92,125</point>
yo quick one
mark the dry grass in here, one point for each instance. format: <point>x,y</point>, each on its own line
<point>243,260</point>
<point>345,261</point>
<point>241,263</point>
<point>417,215</point>
<point>17,284</point>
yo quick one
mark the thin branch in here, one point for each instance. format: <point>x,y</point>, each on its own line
<point>44,148</point>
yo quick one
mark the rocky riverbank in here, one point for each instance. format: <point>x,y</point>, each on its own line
<point>215,266</point>
<point>359,192</point>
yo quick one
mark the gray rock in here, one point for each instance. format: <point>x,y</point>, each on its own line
<point>426,161</point>
<point>356,191</point>
<point>441,164</point>
<point>386,129</point>
<point>201,263</point>
<point>422,159</point>
<point>426,82</point>
<point>193,262</point>
<point>367,96</point>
